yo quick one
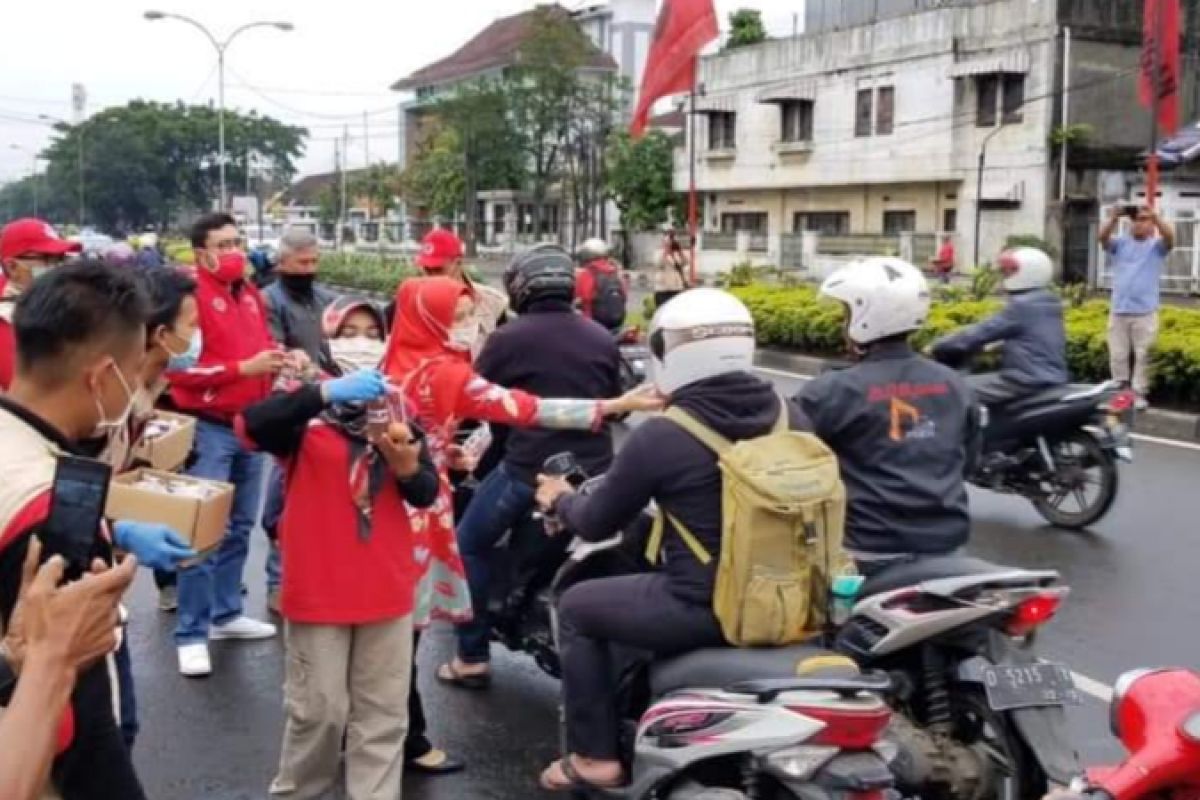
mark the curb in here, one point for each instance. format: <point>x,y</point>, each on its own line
<point>1160,423</point>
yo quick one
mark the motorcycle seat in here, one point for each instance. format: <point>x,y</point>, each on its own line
<point>910,573</point>
<point>1046,398</point>
<point>717,667</point>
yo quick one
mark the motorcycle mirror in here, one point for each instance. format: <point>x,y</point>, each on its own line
<point>560,465</point>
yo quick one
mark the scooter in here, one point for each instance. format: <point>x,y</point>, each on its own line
<point>979,715</point>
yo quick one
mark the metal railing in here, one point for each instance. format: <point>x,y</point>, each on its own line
<point>859,245</point>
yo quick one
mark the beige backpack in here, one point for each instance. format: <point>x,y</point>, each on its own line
<point>783,512</point>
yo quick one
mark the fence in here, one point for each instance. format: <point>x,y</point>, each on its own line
<point>1181,273</point>
<point>859,245</point>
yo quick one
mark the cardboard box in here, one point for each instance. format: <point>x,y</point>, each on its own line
<point>169,451</point>
<point>201,522</point>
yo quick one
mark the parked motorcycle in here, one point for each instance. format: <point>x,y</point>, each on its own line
<point>1156,715</point>
<point>979,715</point>
<point>722,723</point>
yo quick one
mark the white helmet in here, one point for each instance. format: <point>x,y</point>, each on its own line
<point>885,297</point>
<point>699,334</point>
<point>592,250</point>
<point>1026,268</point>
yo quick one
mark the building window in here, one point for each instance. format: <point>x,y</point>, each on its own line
<point>950,220</point>
<point>753,222</point>
<point>862,113</point>
<point>987,90</point>
<point>796,117</point>
<point>498,218</point>
<point>1013,98</point>
<point>722,130</point>
<point>999,97</point>
<point>898,222</point>
<point>827,223</point>
<point>885,113</point>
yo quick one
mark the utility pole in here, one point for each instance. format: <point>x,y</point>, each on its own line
<point>337,223</point>
<point>345,158</point>
<point>366,143</point>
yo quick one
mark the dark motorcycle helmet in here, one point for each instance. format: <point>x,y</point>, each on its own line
<point>543,272</point>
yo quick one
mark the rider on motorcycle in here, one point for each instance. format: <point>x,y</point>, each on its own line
<point>1030,326</point>
<point>902,426</point>
<point>600,289</point>
<point>549,351</point>
<point>702,354</point>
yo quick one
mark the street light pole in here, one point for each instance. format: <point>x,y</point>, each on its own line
<point>979,188</point>
<point>220,47</point>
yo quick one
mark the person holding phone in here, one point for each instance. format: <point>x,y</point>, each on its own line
<point>1137,260</point>
<point>81,338</point>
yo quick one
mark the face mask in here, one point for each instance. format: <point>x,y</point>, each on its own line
<point>106,426</point>
<point>301,284</point>
<point>188,358</point>
<point>355,353</point>
<point>463,337</point>
<point>231,267</point>
<point>39,270</point>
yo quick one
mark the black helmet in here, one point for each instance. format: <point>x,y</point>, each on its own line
<point>543,272</point>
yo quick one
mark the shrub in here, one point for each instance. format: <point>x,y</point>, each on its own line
<point>795,318</point>
<point>365,271</point>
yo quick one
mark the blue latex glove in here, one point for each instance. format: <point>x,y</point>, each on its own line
<point>357,387</point>
<point>155,545</point>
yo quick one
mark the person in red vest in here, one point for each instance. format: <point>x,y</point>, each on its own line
<point>237,364</point>
<point>600,289</point>
<point>28,247</point>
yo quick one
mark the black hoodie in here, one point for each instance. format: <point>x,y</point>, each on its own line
<point>662,462</point>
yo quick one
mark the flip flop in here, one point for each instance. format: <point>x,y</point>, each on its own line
<point>447,674</point>
<point>574,781</point>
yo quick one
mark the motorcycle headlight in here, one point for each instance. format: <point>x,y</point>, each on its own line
<point>798,762</point>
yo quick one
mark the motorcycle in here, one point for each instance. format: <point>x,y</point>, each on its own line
<point>1156,715</point>
<point>978,714</point>
<point>634,357</point>
<point>1059,449</point>
<point>723,723</point>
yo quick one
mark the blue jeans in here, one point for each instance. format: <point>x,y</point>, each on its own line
<point>129,718</point>
<point>210,593</point>
<point>272,513</point>
<point>499,503</point>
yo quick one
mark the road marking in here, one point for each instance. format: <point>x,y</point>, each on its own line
<point>1140,437</point>
<point>1101,691</point>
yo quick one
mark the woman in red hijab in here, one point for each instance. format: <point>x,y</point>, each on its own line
<point>428,356</point>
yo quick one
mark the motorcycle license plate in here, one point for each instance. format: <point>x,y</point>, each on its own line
<point>1029,685</point>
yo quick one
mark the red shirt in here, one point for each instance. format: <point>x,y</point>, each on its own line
<point>234,328</point>
<point>331,575</point>
<point>585,283</point>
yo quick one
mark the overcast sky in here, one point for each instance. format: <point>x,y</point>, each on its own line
<point>337,63</point>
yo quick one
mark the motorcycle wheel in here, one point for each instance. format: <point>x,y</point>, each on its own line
<point>991,732</point>
<point>1083,465</point>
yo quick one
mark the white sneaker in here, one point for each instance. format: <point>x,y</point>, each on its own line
<point>194,661</point>
<point>242,628</point>
<point>1141,404</point>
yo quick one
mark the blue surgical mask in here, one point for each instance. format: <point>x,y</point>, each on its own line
<point>187,359</point>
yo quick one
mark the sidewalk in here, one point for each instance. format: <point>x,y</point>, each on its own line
<point>1155,422</point>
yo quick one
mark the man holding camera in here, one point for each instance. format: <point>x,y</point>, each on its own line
<point>1137,264</point>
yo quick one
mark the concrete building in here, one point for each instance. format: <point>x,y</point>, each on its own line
<point>864,134</point>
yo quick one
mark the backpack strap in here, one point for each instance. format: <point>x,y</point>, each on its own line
<point>783,423</point>
<point>706,435</point>
<point>654,543</point>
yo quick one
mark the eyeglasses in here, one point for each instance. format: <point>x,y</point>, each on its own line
<point>228,245</point>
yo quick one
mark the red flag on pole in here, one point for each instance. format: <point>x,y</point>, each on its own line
<point>684,27</point>
<point>1158,87</point>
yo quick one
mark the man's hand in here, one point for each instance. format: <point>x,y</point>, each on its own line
<point>1115,212</point>
<point>400,450</point>
<point>157,546</point>
<point>459,460</point>
<point>549,489</point>
<point>76,623</point>
<point>268,362</point>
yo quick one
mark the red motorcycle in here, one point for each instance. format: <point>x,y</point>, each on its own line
<point>1156,715</point>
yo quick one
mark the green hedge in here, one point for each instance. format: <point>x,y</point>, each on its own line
<point>365,271</point>
<point>796,318</point>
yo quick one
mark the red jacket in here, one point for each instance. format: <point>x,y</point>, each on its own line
<point>234,328</point>
<point>585,282</point>
<point>8,355</point>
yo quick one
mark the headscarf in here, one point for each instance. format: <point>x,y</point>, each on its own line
<point>351,354</point>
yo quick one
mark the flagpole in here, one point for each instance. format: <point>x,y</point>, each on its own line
<point>692,181</point>
<point>1156,102</point>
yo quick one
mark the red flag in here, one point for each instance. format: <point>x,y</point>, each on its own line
<point>1160,62</point>
<point>684,27</point>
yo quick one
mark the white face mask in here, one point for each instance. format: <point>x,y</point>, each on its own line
<point>357,352</point>
<point>106,426</point>
<point>464,336</point>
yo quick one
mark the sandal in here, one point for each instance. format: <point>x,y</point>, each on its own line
<point>447,674</point>
<point>574,781</point>
<point>435,762</point>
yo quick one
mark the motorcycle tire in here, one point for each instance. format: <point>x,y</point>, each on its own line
<point>1077,446</point>
<point>974,718</point>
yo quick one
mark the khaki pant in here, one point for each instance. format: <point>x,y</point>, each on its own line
<point>1132,335</point>
<point>351,680</point>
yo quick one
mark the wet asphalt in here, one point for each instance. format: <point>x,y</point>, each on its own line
<point>1134,591</point>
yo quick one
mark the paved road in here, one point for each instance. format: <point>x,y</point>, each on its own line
<point>1134,590</point>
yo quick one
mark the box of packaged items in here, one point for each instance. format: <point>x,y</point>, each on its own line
<point>166,441</point>
<point>197,509</point>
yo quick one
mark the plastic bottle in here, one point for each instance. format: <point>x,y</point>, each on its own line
<point>844,591</point>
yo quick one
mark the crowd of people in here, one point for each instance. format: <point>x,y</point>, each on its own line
<point>352,417</point>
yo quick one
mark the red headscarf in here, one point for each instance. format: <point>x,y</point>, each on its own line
<point>420,339</point>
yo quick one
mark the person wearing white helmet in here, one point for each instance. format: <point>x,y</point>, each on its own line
<point>600,290</point>
<point>702,353</point>
<point>1030,327</point>
<point>903,426</point>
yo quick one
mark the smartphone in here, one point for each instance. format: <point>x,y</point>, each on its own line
<point>1131,212</point>
<point>77,500</point>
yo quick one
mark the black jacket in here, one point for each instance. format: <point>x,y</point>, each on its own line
<point>903,428</point>
<point>295,320</point>
<point>551,351</point>
<point>661,461</point>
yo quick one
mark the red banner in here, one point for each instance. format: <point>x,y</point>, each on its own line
<point>1158,87</point>
<point>684,27</point>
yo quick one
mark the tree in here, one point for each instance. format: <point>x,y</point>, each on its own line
<point>745,28</point>
<point>380,185</point>
<point>435,178</point>
<point>640,173</point>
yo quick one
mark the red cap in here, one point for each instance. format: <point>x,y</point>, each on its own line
<point>439,248</point>
<point>29,236</point>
